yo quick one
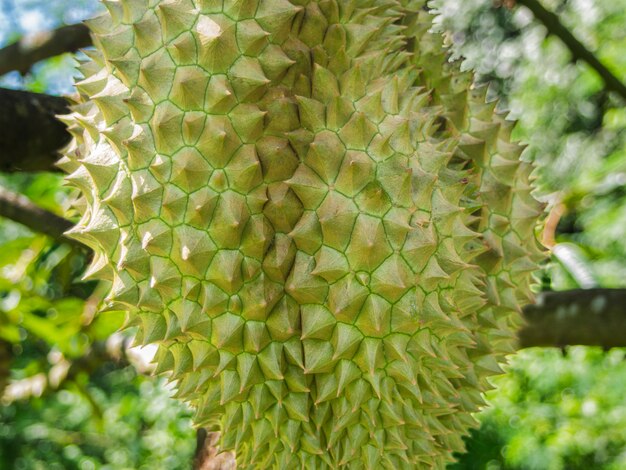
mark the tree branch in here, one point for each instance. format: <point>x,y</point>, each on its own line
<point>30,135</point>
<point>579,52</point>
<point>32,48</point>
<point>114,350</point>
<point>589,317</point>
<point>20,209</point>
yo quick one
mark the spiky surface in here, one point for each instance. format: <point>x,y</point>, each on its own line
<point>327,233</point>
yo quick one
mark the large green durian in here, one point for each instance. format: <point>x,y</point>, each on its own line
<point>323,226</point>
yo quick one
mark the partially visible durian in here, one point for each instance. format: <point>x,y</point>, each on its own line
<point>324,227</point>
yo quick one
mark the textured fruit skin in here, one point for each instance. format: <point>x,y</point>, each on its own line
<point>326,231</point>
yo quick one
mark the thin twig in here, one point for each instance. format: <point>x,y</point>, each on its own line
<point>32,48</point>
<point>20,209</point>
<point>579,52</point>
<point>64,370</point>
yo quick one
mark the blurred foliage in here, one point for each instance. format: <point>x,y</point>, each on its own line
<point>113,419</point>
<point>71,405</point>
<point>550,411</point>
<point>553,411</point>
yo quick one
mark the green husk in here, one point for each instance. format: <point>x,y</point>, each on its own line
<point>324,227</point>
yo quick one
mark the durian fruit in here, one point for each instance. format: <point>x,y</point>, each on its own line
<point>324,227</point>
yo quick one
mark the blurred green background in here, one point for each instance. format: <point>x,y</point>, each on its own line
<point>76,401</point>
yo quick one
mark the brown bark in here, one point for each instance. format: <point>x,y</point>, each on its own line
<point>32,48</point>
<point>208,456</point>
<point>30,135</point>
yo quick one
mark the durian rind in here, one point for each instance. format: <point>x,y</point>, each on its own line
<point>325,229</point>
